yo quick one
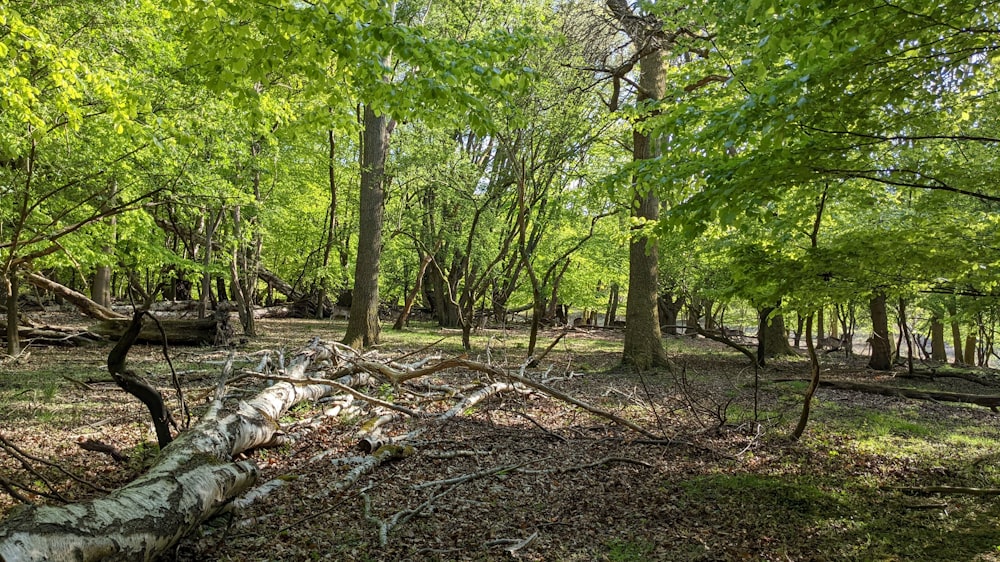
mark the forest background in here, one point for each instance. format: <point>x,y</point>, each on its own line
<point>720,167</point>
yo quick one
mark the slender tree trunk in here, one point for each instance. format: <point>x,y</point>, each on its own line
<point>243,300</point>
<point>206,276</point>
<point>331,227</point>
<point>956,335</point>
<point>820,329</point>
<point>363,326</point>
<point>612,312</point>
<point>813,382</point>
<point>905,333</point>
<point>881,359</point>
<point>643,347</point>
<point>404,315</point>
<point>13,338</point>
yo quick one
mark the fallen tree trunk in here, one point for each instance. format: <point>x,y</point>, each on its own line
<point>216,330</point>
<point>193,480</point>
<point>55,335</point>
<point>79,300</point>
<point>989,401</point>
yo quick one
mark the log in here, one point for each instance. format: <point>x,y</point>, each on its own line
<point>79,300</point>
<point>55,335</point>
<point>216,330</point>
<point>987,400</point>
<point>193,479</point>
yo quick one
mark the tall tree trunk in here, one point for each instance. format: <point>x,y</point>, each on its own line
<point>881,359</point>
<point>239,285</point>
<point>331,227</point>
<point>100,291</point>
<point>643,346</point>
<point>206,276</point>
<point>363,326</point>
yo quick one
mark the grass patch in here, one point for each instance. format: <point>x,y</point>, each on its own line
<point>636,550</point>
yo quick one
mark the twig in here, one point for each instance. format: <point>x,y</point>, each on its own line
<point>466,477</point>
<point>8,446</point>
<point>79,383</point>
<point>173,373</point>
<point>574,468</point>
<point>99,447</point>
<point>536,424</point>
<point>947,490</point>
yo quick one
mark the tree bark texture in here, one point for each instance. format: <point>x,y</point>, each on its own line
<point>363,327</point>
<point>772,341</point>
<point>881,358</point>
<point>193,480</point>
<point>938,352</point>
<point>643,341</point>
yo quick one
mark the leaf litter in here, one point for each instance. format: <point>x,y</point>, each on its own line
<point>524,476</point>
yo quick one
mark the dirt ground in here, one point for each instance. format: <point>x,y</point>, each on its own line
<point>526,476</point>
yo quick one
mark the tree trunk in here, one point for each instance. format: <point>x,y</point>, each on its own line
<point>813,381</point>
<point>881,359</point>
<point>820,328</point>
<point>956,335</point>
<point>669,308</point>
<point>13,337</point>
<point>643,348</point>
<point>938,352</point>
<point>363,326</point>
<point>970,349</point>
<point>193,480</point>
<point>404,315</point>
<point>772,340</point>
<point>206,276</point>
<point>612,311</point>
<point>215,330</point>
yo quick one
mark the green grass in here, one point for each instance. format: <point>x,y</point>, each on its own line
<point>635,550</point>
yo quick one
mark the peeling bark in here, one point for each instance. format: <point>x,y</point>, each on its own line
<point>193,480</point>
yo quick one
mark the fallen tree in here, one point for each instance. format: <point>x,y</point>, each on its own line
<point>216,330</point>
<point>79,300</point>
<point>193,480</point>
<point>986,400</point>
<point>196,476</point>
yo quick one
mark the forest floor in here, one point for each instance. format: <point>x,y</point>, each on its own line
<point>547,481</point>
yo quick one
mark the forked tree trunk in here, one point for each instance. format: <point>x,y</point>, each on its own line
<point>193,480</point>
